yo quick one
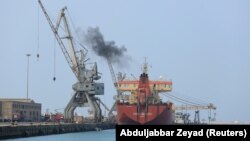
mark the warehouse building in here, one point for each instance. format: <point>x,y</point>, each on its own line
<point>19,110</point>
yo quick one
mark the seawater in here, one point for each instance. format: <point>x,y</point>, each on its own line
<point>104,135</point>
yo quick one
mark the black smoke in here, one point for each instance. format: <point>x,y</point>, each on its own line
<point>106,49</point>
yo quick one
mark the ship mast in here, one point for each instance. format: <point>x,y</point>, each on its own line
<point>145,66</point>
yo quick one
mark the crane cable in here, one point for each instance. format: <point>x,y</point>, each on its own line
<point>180,100</point>
<point>38,32</point>
<point>175,99</point>
<point>38,44</point>
<point>77,39</point>
<point>183,100</point>
<point>190,98</point>
<point>187,102</point>
<point>54,78</point>
<point>73,25</point>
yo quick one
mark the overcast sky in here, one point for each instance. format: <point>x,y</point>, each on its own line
<point>203,46</point>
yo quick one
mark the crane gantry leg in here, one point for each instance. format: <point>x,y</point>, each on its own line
<point>82,100</point>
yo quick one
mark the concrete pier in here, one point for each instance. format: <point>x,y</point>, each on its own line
<point>17,131</point>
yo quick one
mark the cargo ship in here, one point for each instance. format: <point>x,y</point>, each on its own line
<point>139,103</point>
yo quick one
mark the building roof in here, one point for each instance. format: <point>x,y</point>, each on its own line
<point>17,100</point>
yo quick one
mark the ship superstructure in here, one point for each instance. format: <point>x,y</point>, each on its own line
<point>139,101</point>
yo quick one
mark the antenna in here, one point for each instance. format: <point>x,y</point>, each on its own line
<point>145,66</point>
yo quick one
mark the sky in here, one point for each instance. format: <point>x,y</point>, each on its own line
<point>202,46</point>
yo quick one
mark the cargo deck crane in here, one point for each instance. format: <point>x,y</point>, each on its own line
<point>85,88</point>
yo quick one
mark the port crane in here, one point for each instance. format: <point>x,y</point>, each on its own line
<point>114,79</point>
<point>191,105</point>
<point>115,84</point>
<point>209,107</point>
<point>86,87</point>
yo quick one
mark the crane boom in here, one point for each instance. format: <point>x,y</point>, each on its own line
<point>69,39</point>
<point>196,107</point>
<point>72,62</point>
<point>112,73</point>
<point>209,107</point>
<point>115,84</point>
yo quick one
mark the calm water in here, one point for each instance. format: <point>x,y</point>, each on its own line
<point>105,135</point>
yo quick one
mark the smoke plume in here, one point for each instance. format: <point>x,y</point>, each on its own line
<point>106,49</point>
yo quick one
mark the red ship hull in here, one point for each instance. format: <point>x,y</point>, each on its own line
<point>156,114</point>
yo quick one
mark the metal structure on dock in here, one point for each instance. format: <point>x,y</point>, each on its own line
<point>197,109</point>
<point>86,87</point>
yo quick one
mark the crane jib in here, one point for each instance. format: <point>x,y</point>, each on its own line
<point>71,59</point>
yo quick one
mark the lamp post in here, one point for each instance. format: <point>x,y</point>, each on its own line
<point>27,96</point>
